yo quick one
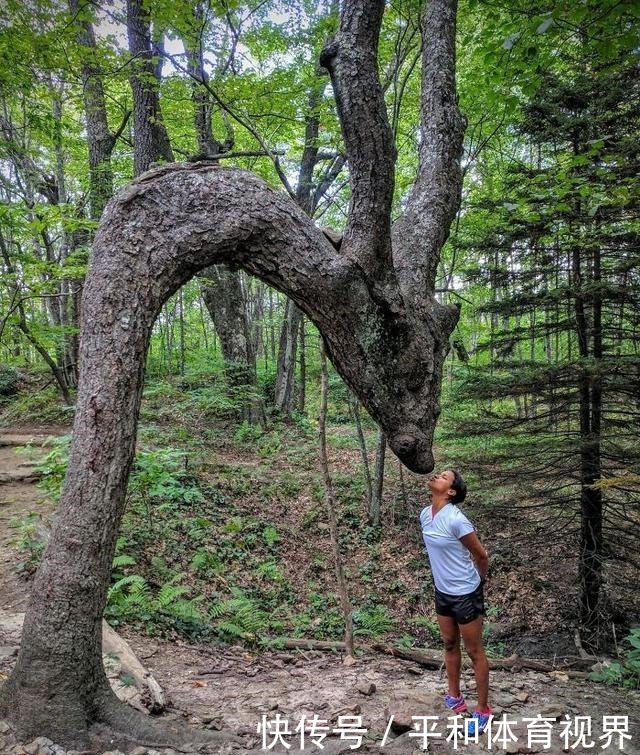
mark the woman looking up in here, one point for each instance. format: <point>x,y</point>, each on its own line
<point>459,565</point>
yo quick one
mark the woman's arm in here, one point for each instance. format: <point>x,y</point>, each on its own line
<point>478,553</point>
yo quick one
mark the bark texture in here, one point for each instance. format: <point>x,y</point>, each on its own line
<point>383,330</point>
<point>151,142</point>
<point>100,140</point>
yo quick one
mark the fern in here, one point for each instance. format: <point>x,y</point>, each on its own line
<point>123,560</point>
<point>169,593</point>
<point>116,590</point>
<point>238,616</point>
<point>231,629</point>
<point>373,623</point>
<point>131,598</point>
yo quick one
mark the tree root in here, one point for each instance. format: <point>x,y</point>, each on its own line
<point>120,725</point>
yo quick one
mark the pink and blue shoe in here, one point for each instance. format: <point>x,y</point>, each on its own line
<point>456,704</point>
<point>478,721</point>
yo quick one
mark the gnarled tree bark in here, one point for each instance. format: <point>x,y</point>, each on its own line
<point>372,301</point>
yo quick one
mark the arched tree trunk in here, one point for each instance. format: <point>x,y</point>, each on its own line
<point>374,305</point>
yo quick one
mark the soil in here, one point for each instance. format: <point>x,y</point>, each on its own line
<point>230,688</point>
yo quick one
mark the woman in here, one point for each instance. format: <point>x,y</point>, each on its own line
<point>459,565</point>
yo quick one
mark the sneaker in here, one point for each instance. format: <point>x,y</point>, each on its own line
<point>479,721</point>
<point>456,704</point>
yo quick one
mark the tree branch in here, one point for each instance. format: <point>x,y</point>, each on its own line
<point>419,235</point>
<point>352,61</point>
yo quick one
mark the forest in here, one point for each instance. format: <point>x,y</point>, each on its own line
<point>268,268</point>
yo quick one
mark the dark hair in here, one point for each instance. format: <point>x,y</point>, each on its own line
<point>460,486</point>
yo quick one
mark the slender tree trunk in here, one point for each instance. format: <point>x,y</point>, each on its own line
<point>354,408</point>
<point>303,368</point>
<point>24,327</point>
<point>378,486</point>
<point>307,196</point>
<point>286,371</point>
<point>341,582</point>
<point>66,294</point>
<point>590,391</point>
<point>100,140</point>
<point>225,301</point>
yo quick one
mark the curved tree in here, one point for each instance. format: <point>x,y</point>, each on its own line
<point>372,301</point>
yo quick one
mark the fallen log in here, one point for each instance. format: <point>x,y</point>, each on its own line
<point>434,660</point>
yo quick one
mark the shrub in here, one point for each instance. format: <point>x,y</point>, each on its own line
<point>626,671</point>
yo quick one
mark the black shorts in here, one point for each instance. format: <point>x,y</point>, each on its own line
<point>463,608</point>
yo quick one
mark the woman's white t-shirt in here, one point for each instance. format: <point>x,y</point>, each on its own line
<point>453,569</point>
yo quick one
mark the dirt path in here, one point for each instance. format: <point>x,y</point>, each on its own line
<point>231,688</point>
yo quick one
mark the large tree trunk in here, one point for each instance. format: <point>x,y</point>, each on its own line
<point>100,140</point>
<point>384,331</point>
<point>150,139</point>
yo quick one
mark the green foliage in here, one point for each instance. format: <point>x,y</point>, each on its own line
<point>374,622</point>
<point>207,563</point>
<point>53,467</point>
<point>247,433</point>
<point>238,617</point>
<point>29,541</point>
<point>38,406</point>
<point>626,671</point>
<point>9,380</point>
<point>160,476</point>
<point>432,627</point>
<point>132,598</point>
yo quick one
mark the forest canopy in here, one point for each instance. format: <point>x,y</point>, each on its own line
<point>446,201</point>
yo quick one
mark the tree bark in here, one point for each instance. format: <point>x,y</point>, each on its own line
<point>100,140</point>
<point>150,138</point>
<point>386,337</point>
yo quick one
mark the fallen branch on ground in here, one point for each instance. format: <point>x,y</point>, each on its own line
<point>434,660</point>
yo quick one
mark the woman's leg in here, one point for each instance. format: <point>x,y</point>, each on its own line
<point>452,655</point>
<point>472,636</point>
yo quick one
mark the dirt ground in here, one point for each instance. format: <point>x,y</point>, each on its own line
<point>228,688</point>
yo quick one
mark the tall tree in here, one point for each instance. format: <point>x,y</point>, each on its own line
<point>564,247</point>
<point>150,138</point>
<point>373,302</point>
<point>100,139</point>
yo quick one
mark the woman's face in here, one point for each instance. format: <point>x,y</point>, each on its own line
<point>441,482</point>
